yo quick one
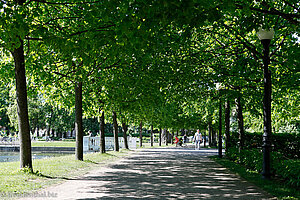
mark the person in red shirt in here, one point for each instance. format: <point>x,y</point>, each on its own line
<point>176,141</point>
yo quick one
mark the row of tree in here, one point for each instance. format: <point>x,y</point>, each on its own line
<point>147,62</point>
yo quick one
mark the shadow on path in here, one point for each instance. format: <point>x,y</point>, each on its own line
<point>169,173</point>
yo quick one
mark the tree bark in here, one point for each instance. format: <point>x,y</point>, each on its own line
<point>78,121</point>
<point>37,131</point>
<point>125,129</point>
<point>204,139</point>
<point>50,122</point>
<point>159,138</point>
<point>227,125</point>
<point>166,136</point>
<point>102,134</point>
<point>21,94</point>
<point>141,136</point>
<point>220,131</point>
<point>209,133</point>
<point>182,132</point>
<point>116,132</point>
<point>151,136</point>
<point>213,133</point>
<point>240,122</point>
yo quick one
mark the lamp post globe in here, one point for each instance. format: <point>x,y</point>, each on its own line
<point>265,36</point>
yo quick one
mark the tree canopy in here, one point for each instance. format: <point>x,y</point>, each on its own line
<point>153,61</point>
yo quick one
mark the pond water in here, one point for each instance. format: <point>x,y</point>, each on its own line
<point>8,156</point>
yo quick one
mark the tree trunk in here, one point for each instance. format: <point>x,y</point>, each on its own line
<point>214,141</point>
<point>37,131</point>
<point>220,131</point>
<point>23,120</point>
<point>50,122</point>
<point>204,139</point>
<point>209,133</point>
<point>102,134</point>
<point>182,132</point>
<point>166,136</point>
<point>125,129</point>
<point>240,122</point>
<point>227,124</point>
<point>151,136</point>
<point>78,121</point>
<point>141,136</point>
<point>159,138</point>
<point>116,138</point>
<point>53,133</point>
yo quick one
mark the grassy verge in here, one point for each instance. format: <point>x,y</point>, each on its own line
<point>14,181</point>
<point>273,187</point>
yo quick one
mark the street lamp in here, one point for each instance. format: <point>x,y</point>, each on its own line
<point>265,36</point>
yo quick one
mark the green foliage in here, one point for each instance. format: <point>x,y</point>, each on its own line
<point>286,169</point>
<point>289,170</point>
<point>285,143</point>
<point>274,186</point>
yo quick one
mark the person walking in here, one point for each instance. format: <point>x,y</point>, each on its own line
<point>197,139</point>
<point>185,140</point>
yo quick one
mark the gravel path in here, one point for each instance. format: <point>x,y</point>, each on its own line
<point>165,173</point>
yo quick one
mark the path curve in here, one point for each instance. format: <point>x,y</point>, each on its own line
<point>162,173</point>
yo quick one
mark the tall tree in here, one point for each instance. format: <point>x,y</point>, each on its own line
<point>78,121</point>
<point>151,136</point>
<point>116,131</point>
<point>141,131</point>
<point>227,124</point>
<point>102,134</point>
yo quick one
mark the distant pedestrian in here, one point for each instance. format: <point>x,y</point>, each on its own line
<point>197,139</point>
<point>184,139</point>
<point>180,142</point>
<point>176,140</point>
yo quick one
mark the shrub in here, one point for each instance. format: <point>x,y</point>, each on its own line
<point>286,143</point>
<point>252,159</point>
<point>288,170</point>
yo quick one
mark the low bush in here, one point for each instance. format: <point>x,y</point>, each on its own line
<point>252,159</point>
<point>288,170</point>
<point>285,143</point>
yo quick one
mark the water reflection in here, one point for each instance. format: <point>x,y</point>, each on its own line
<point>15,156</point>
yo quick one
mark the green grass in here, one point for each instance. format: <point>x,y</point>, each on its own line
<point>14,181</point>
<point>53,144</point>
<point>273,187</point>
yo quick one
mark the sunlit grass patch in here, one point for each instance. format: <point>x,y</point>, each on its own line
<point>13,180</point>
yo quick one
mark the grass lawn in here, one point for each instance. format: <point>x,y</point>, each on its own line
<point>274,187</point>
<point>14,181</point>
<point>53,144</point>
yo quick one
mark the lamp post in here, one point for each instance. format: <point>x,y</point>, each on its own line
<point>265,37</point>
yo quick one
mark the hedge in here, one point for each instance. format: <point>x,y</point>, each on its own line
<point>285,143</point>
<point>286,169</point>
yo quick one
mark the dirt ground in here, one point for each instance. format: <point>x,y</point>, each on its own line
<point>165,173</point>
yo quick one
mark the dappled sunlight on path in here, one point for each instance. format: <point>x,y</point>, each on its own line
<point>168,173</point>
